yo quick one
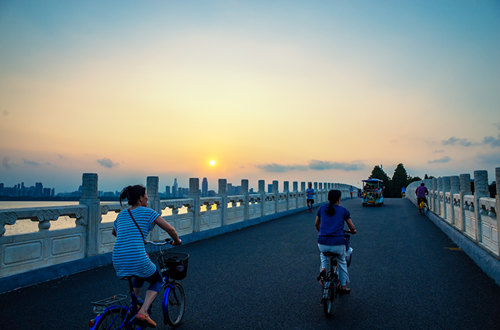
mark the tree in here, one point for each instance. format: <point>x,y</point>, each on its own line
<point>399,180</point>
<point>378,173</point>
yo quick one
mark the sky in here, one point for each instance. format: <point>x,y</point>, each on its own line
<point>283,90</point>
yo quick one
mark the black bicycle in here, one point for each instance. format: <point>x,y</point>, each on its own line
<point>331,281</point>
<point>119,311</point>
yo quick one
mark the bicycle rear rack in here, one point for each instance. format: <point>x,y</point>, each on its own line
<point>116,300</point>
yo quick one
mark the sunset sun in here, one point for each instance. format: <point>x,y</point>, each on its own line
<point>212,162</point>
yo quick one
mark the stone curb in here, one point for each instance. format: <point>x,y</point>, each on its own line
<point>487,262</point>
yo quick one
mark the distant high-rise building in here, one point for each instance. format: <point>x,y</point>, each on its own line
<point>175,188</point>
<point>38,189</point>
<point>204,188</point>
<point>20,190</point>
<point>167,191</point>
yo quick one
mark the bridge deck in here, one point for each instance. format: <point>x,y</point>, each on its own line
<point>405,274</point>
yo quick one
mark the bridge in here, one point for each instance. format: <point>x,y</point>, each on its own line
<point>254,261</point>
<point>405,273</point>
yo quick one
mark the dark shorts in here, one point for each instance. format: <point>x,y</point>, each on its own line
<point>310,201</point>
<point>421,199</point>
<point>155,281</point>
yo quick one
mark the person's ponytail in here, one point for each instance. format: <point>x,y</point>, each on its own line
<point>333,198</point>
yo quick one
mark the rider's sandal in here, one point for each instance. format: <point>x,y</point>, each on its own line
<point>145,319</point>
<point>345,291</point>
<point>321,276</point>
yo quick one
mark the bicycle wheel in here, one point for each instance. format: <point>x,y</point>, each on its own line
<point>328,302</point>
<point>174,303</point>
<point>115,318</point>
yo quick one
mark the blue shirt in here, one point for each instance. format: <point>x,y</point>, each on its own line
<point>331,229</point>
<point>129,253</point>
<point>310,193</point>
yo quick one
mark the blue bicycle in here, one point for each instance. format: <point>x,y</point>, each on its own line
<point>119,311</point>
<point>331,281</point>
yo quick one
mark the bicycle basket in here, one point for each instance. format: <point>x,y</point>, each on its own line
<point>174,264</point>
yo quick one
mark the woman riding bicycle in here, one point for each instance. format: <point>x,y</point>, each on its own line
<point>131,228</point>
<point>330,226</point>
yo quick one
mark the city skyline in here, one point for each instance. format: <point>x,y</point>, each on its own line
<point>287,90</point>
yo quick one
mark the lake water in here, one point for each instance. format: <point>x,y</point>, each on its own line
<point>20,204</point>
<point>25,226</point>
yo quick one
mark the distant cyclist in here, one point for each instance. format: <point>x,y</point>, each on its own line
<point>422,193</point>
<point>310,197</point>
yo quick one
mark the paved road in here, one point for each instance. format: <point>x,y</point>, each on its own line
<point>404,276</point>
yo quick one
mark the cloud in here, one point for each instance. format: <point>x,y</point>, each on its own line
<point>494,142</point>
<point>106,162</point>
<point>30,162</point>
<point>277,168</point>
<point>445,159</point>
<point>440,151</point>
<point>315,165</point>
<point>319,165</point>
<point>5,163</point>
<point>456,141</point>
<point>489,159</point>
<point>5,113</point>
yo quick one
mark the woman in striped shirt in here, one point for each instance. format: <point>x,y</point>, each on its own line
<point>131,227</point>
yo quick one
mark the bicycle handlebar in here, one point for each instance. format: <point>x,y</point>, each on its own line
<point>160,243</point>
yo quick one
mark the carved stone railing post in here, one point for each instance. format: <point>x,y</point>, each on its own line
<point>464,190</point>
<point>194,194</point>
<point>316,195</point>
<point>439,192</point>
<point>244,192</point>
<point>296,193</point>
<point>321,192</point>
<point>454,189</point>
<point>480,190</point>
<point>303,190</point>
<point>434,195</point>
<point>222,193</point>
<point>276,195</point>
<point>497,197</point>
<point>286,190</point>
<point>446,188</point>
<point>262,192</point>
<point>153,201</point>
<point>90,198</point>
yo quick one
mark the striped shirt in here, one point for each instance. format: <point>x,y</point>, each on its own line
<point>129,252</point>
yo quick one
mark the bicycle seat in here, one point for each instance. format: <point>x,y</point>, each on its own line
<point>126,277</point>
<point>331,254</point>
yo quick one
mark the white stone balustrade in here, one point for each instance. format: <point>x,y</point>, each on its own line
<point>24,252</point>
<point>474,215</point>
<point>91,237</point>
